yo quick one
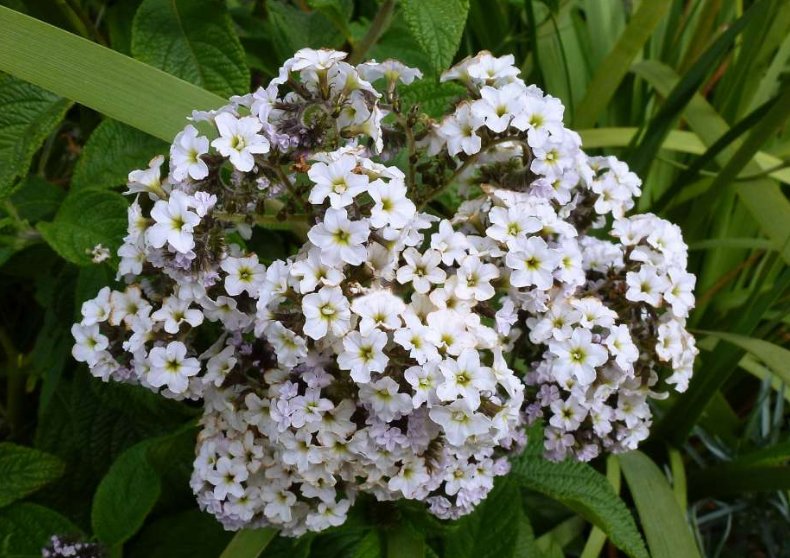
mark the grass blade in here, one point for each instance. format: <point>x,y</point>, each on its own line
<point>98,77</point>
<point>664,523</point>
<point>248,543</point>
<point>646,145</point>
<point>614,67</point>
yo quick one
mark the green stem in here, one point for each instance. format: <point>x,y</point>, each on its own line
<point>402,542</point>
<point>377,28</point>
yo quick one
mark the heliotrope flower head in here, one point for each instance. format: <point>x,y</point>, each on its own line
<point>386,354</point>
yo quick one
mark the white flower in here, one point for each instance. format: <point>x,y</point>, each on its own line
<point>185,155</point>
<point>337,181</point>
<point>379,309</point>
<point>507,224</point>
<point>465,377</point>
<point>411,478</point>
<point>392,207</point>
<point>533,263</point>
<point>451,245</point>
<point>239,140</point>
<point>460,131</point>
<point>321,59</point>
<point>384,399</point>
<point>89,343</point>
<point>363,354</point>
<point>422,270</point>
<point>171,368</point>
<point>474,279</point>
<point>578,357</point>
<point>174,312</point>
<point>326,312</point>
<point>646,285</point>
<point>459,421</point>
<point>174,223</point>
<point>244,274</point>
<point>311,272</point>
<point>680,294</point>
<point>497,107</point>
<point>148,180</point>
<point>393,70</point>
<point>423,380</point>
<point>340,240</point>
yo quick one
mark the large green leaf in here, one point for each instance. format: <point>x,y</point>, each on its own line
<point>118,86</point>
<point>37,199</point>
<point>190,534</point>
<point>614,67</point>
<point>194,40</point>
<point>29,114</point>
<point>291,29</point>
<point>113,150</point>
<point>437,26</point>
<point>585,491</point>
<point>664,523</point>
<point>26,528</point>
<point>125,496</point>
<point>497,528</point>
<point>85,219</point>
<point>89,424</point>
<point>24,470</point>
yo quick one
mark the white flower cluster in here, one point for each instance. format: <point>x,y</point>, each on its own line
<point>380,357</point>
<point>605,321</point>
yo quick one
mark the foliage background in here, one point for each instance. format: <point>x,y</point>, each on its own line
<point>692,94</point>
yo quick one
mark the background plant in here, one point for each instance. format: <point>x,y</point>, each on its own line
<point>692,93</point>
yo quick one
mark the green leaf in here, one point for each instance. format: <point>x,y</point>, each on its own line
<point>86,218</point>
<point>37,199</point>
<point>29,115</point>
<point>248,543</point>
<point>437,26</point>
<point>611,71</point>
<point>26,528</point>
<point>775,357</point>
<point>292,29</point>
<point>497,527</point>
<point>190,534</point>
<point>585,491</point>
<point>194,40</point>
<point>125,496</point>
<point>113,150</point>
<point>97,77</point>
<point>664,523</point>
<point>434,98</point>
<point>24,470</point>
<point>89,424</point>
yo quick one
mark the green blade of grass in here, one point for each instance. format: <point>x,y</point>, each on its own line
<point>614,67</point>
<point>248,543</point>
<point>98,77</point>
<point>645,146</point>
<point>667,533</point>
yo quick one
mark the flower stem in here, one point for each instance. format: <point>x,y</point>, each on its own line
<point>377,28</point>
